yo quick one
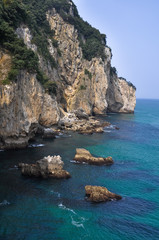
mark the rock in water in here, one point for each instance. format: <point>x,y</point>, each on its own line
<point>83,155</point>
<point>81,114</point>
<point>100,194</point>
<point>48,167</point>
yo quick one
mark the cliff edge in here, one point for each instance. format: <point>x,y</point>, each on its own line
<point>51,60</point>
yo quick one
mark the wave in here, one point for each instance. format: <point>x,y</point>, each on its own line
<point>76,220</point>
<point>107,131</point>
<point>77,162</point>
<point>56,193</point>
<point>4,203</point>
<point>36,145</point>
<point>111,126</point>
<point>65,208</point>
<point>77,223</point>
<point>13,168</point>
<point>61,135</point>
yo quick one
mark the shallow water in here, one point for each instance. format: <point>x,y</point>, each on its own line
<point>35,209</point>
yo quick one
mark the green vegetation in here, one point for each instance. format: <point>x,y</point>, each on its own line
<point>91,40</point>
<point>88,73</point>
<point>51,87</point>
<point>82,87</point>
<point>128,82</point>
<point>33,14</point>
<point>113,71</point>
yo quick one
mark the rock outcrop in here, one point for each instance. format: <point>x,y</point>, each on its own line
<point>23,105</point>
<point>48,167</point>
<point>83,155</point>
<point>81,123</point>
<point>100,194</point>
<point>120,95</point>
<point>90,85</point>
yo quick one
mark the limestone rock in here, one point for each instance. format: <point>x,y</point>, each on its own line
<point>22,106</point>
<point>100,194</point>
<point>48,133</point>
<point>81,84</point>
<point>48,167</point>
<point>120,95</point>
<point>83,125</point>
<point>83,155</point>
<point>81,114</point>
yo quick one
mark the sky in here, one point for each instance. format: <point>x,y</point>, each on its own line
<point>132,30</point>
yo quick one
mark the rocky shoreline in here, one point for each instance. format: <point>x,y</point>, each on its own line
<point>77,121</point>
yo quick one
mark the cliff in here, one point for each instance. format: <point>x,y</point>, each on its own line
<point>66,67</point>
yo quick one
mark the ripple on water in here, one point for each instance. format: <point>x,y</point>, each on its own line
<point>4,203</point>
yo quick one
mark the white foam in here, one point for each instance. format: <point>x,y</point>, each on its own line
<point>56,193</point>
<point>76,223</point>
<point>65,208</point>
<point>13,168</point>
<point>111,126</point>
<point>77,162</point>
<point>107,131</point>
<point>73,161</point>
<point>4,203</point>
<point>37,145</point>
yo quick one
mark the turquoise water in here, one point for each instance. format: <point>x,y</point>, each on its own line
<point>34,209</point>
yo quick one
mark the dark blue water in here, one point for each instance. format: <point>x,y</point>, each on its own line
<point>34,209</point>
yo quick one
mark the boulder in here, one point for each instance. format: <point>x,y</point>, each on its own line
<point>48,133</point>
<point>100,194</point>
<point>48,167</point>
<point>81,114</point>
<point>83,155</point>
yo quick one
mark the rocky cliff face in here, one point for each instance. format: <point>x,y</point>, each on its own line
<point>80,84</point>
<point>120,95</point>
<point>23,105</point>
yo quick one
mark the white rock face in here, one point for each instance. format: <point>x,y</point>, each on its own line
<point>81,84</point>
<point>51,163</point>
<point>24,33</point>
<point>121,95</point>
<point>80,90</point>
<point>22,106</point>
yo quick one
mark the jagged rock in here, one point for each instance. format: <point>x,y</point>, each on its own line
<point>48,167</point>
<point>23,105</point>
<point>83,125</point>
<point>89,85</point>
<point>83,155</point>
<point>48,133</point>
<point>81,114</point>
<point>100,194</point>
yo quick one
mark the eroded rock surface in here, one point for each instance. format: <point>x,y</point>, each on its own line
<point>48,167</point>
<point>83,155</point>
<point>100,194</point>
<point>23,105</point>
<point>81,84</point>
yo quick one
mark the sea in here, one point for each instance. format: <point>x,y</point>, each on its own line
<point>37,209</point>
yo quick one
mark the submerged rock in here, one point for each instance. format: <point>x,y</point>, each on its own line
<point>100,194</point>
<point>48,167</point>
<point>83,155</point>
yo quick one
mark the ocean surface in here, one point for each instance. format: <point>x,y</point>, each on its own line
<point>36,209</point>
